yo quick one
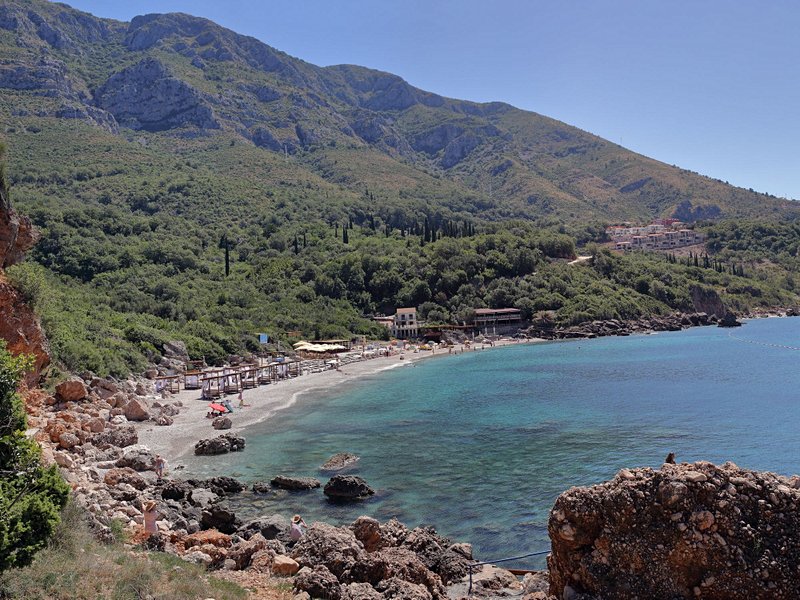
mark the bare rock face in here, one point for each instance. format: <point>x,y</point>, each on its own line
<point>71,390</point>
<point>147,96</point>
<point>121,437</point>
<point>318,582</point>
<point>19,326</point>
<point>17,234</point>
<point>685,531</point>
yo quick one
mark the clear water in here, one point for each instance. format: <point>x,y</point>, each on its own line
<point>481,444</point>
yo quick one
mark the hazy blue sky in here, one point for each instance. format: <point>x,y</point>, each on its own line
<point>709,85</point>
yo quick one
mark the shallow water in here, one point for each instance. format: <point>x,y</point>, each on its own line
<point>481,444</point>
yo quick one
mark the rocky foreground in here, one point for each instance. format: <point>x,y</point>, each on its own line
<point>682,531</point>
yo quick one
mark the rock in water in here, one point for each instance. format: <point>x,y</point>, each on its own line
<point>219,445</point>
<point>339,461</point>
<point>287,482</point>
<point>347,488</point>
<point>684,531</point>
<point>729,320</point>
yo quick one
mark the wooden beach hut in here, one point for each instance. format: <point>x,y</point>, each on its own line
<point>232,381</point>
<point>191,380</point>
<point>171,383</point>
<point>249,376</point>
<point>212,384</point>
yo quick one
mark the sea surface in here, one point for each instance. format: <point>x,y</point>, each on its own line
<point>480,444</point>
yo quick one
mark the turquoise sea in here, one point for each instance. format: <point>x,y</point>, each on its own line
<point>480,444</point>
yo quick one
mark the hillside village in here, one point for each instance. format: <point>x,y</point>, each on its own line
<point>660,234</point>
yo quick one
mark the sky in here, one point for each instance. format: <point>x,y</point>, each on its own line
<point>712,86</point>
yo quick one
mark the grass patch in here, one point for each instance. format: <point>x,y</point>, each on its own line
<point>77,567</point>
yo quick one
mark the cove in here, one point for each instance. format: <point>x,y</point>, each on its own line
<point>479,445</point>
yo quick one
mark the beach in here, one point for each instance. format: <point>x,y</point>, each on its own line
<point>191,424</point>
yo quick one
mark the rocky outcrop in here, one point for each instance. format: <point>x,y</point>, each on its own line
<point>544,326</point>
<point>295,483</point>
<point>339,461</point>
<point>147,96</point>
<point>20,328</point>
<point>346,488</point>
<point>729,320</point>
<point>219,445</point>
<point>684,531</point>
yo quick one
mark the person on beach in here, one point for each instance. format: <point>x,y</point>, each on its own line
<point>298,528</point>
<point>159,465</point>
<point>241,399</point>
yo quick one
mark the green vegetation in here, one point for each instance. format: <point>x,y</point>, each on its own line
<point>366,201</point>
<point>31,495</point>
<point>75,566</point>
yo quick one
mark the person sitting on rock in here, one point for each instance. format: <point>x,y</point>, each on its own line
<point>298,528</point>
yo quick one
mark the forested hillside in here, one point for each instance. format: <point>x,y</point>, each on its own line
<point>191,182</point>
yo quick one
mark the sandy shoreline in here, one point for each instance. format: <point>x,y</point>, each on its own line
<point>190,425</point>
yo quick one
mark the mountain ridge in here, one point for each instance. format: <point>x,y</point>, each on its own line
<point>182,75</point>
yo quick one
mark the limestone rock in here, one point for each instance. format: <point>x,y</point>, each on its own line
<point>71,390</point>
<point>202,497</point>
<point>124,475</point>
<point>222,423</point>
<point>339,461</point>
<point>283,565</point>
<point>337,549</point>
<point>219,445</point>
<point>136,410</point>
<point>147,96</point>
<point>347,488</point>
<point>121,437</point>
<point>318,582</point>
<point>220,517</point>
<point>269,527</point>
<point>138,458</point>
<point>287,482</point>
<point>683,531</point>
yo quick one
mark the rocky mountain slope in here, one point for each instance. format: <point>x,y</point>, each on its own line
<point>184,78</point>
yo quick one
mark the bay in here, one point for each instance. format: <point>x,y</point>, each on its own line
<point>480,444</point>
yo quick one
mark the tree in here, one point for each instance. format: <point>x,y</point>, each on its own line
<point>31,496</point>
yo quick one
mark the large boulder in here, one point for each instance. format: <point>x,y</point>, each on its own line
<point>138,458</point>
<point>136,410</point>
<point>336,548</point>
<point>729,320</point>
<point>684,531</point>
<point>121,437</point>
<point>71,390</point>
<point>284,565</point>
<point>399,563</point>
<point>124,475</point>
<point>202,498</point>
<point>269,527</point>
<point>339,461</point>
<point>224,485</point>
<point>220,517</point>
<point>219,445</point>
<point>287,482</point>
<point>347,488</point>
<point>222,423</point>
<point>318,582</point>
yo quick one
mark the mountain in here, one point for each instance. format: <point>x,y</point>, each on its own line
<point>185,82</point>
<point>193,184</point>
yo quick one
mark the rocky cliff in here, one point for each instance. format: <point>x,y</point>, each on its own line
<point>682,531</point>
<point>19,327</point>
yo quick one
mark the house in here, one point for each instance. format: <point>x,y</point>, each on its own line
<point>496,316</point>
<point>405,324</point>
<point>387,322</point>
